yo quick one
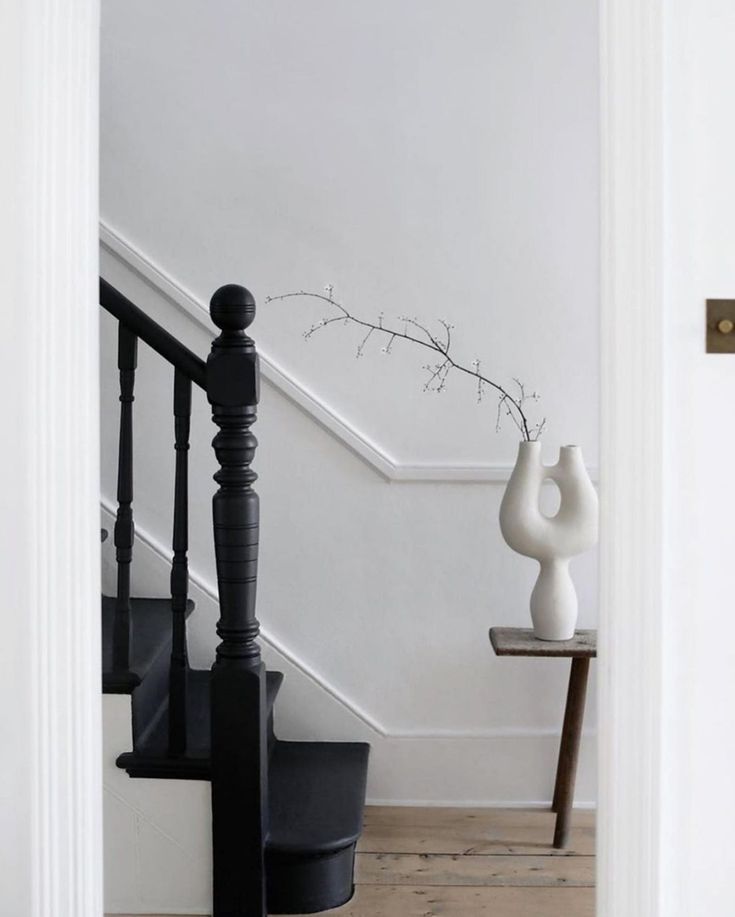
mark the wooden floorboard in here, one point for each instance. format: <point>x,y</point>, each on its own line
<point>462,816</point>
<point>458,901</point>
<point>523,832</point>
<point>449,862</point>
<point>431,870</point>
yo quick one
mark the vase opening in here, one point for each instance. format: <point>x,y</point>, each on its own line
<point>549,498</point>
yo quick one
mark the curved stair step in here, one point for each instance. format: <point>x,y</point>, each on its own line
<point>317,795</point>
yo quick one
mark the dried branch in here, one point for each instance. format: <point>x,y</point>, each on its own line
<point>508,405</point>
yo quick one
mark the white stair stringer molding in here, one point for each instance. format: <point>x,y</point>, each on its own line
<point>172,292</point>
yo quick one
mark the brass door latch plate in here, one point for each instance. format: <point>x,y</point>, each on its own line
<point>721,326</point>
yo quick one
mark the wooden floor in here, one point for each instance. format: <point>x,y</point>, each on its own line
<point>416,862</point>
<point>470,862</point>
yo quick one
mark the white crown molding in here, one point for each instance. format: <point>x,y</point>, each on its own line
<point>632,316</point>
<point>208,590</point>
<point>327,417</point>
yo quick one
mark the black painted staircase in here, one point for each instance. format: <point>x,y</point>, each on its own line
<point>286,815</point>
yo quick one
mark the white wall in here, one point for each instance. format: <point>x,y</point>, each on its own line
<point>427,158</point>
<point>431,158</point>
<point>699,684</point>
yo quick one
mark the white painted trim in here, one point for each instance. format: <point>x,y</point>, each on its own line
<point>632,320</point>
<point>163,556</point>
<point>327,417</point>
<point>51,798</point>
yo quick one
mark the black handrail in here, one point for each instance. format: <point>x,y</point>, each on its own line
<point>153,334</point>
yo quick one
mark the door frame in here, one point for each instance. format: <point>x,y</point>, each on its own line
<point>631,482</point>
<point>50,679</point>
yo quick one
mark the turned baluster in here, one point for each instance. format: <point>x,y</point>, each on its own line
<point>180,568</point>
<point>127,358</point>
<point>238,699</point>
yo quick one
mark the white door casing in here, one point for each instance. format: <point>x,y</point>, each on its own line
<point>50,786</point>
<point>632,459</point>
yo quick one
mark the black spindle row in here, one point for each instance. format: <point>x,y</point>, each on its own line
<point>125,534</point>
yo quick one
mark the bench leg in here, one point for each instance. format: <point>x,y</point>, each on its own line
<point>566,770</point>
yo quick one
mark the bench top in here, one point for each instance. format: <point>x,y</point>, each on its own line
<point>520,641</point>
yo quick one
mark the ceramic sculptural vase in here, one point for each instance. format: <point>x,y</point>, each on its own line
<point>551,540</point>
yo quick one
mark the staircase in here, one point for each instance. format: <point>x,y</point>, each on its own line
<point>286,816</point>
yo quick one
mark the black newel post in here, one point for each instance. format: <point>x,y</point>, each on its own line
<point>238,699</point>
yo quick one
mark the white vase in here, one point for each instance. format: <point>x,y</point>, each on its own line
<point>551,540</point>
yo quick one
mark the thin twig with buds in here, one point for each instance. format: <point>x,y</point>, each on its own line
<point>508,405</point>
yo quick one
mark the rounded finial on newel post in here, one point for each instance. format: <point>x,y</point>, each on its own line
<point>232,308</point>
<point>232,365</point>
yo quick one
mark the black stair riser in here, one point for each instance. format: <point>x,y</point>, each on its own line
<point>157,768</point>
<point>151,621</point>
<point>151,755</point>
<point>150,700</point>
<point>302,884</point>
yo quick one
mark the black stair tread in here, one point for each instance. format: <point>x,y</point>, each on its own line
<point>317,795</point>
<point>150,634</point>
<point>151,758</point>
